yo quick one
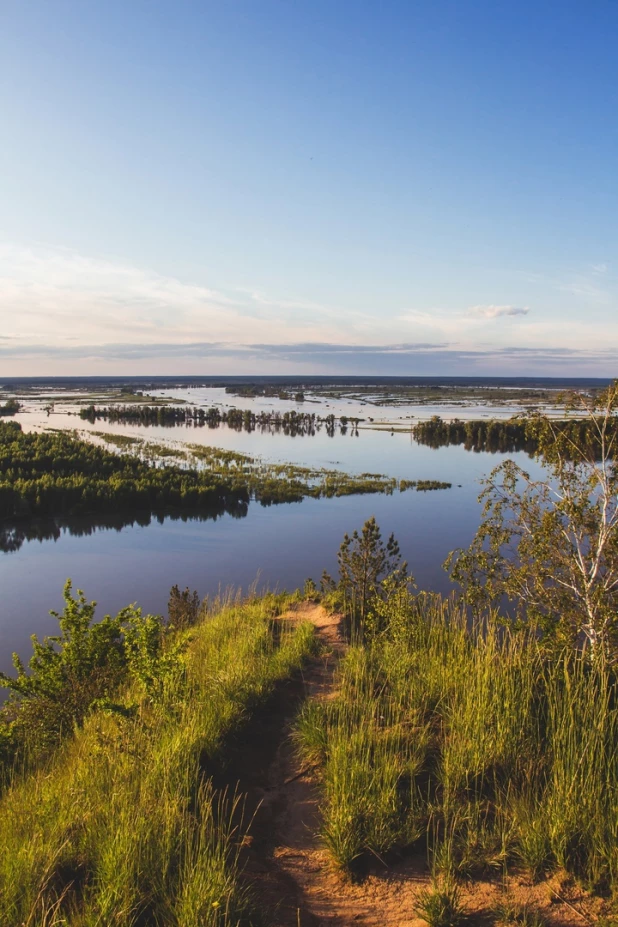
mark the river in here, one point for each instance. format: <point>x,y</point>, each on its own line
<point>279,545</point>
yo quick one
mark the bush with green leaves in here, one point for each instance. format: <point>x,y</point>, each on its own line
<point>66,673</point>
<point>153,655</point>
<point>82,650</point>
<point>82,665</point>
<point>183,608</point>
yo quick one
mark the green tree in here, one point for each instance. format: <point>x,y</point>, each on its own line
<point>365,564</point>
<point>183,608</point>
<point>11,407</point>
<point>549,546</point>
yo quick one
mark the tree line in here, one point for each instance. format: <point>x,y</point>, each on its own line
<point>290,423</point>
<point>252,391</point>
<point>507,436</point>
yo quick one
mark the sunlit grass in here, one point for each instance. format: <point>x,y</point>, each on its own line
<point>465,734</point>
<point>123,827</point>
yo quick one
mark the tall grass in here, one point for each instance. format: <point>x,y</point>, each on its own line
<point>124,827</point>
<point>463,733</point>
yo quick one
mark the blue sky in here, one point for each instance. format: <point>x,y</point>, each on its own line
<point>238,187</point>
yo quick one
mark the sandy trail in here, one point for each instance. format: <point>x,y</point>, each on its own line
<point>296,879</point>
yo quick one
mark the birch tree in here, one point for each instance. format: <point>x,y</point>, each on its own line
<point>547,549</point>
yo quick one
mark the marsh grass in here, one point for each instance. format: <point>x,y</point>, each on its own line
<point>467,733</point>
<point>123,826</point>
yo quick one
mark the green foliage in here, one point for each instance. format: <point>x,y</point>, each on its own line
<point>369,571</point>
<point>82,666</point>
<point>68,660</point>
<point>183,608</point>
<point>506,436</point>
<point>423,485</point>
<point>311,592</point>
<point>470,733</point>
<point>123,826</point>
<point>292,422</point>
<point>311,731</point>
<point>66,674</point>
<point>550,546</point>
<point>154,660</point>
<point>441,906</point>
<point>55,474</point>
<point>10,407</point>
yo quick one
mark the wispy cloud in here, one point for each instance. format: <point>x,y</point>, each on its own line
<point>496,312</point>
<point>353,356</point>
<point>65,311</point>
<point>584,287</point>
<point>457,324</point>
<point>59,295</point>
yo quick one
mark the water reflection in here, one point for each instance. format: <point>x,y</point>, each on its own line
<point>290,423</point>
<point>116,563</point>
<point>14,535</point>
<point>118,559</point>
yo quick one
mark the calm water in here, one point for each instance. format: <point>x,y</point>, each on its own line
<point>367,450</point>
<point>282,544</point>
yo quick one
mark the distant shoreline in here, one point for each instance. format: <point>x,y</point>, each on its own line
<point>74,382</point>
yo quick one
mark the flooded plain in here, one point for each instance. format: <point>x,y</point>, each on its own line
<point>122,561</point>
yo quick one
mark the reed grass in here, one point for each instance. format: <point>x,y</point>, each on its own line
<point>123,827</point>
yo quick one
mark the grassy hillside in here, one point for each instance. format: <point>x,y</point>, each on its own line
<point>121,825</point>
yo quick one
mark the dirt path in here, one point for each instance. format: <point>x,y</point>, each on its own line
<point>297,857</point>
<point>294,876</point>
<point>288,867</point>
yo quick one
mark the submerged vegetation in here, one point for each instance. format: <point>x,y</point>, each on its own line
<point>57,474</point>
<point>254,390</point>
<point>483,741</point>
<point>10,407</point>
<point>398,391</point>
